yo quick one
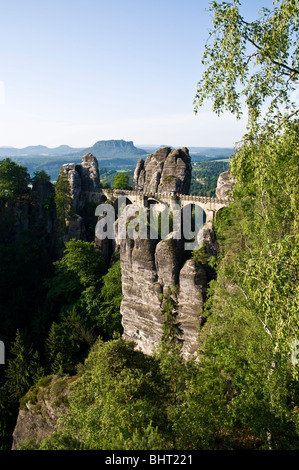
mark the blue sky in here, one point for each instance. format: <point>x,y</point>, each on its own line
<point>77,71</point>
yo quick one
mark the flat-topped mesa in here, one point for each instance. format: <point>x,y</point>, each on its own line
<point>165,171</point>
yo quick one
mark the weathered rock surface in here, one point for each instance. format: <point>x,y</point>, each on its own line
<point>191,298</point>
<point>89,173</point>
<point>34,211</point>
<point>225,185</point>
<point>149,268</point>
<point>41,409</point>
<point>84,181</point>
<point>165,171</point>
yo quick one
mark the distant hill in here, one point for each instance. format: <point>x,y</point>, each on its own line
<point>198,153</point>
<point>111,154</point>
<point>210,153</point>
<point>115,154</point>
<point>112,151</point>
<point>115,148</point>
<point>37,150</point>
<point>101,149</point>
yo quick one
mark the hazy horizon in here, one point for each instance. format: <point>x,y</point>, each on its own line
<point>75,72</point>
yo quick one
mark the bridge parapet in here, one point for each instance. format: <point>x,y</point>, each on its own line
<point>167,196</point>
<point>203,199</point>
<point>188,197</point>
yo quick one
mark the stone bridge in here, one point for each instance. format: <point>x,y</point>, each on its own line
<point>210,205</point>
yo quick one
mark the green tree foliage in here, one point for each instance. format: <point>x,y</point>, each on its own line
<point>40,176</point>
<point>116,403</point>
<point>109,316</point>
<point>84,302</point>
<point>24,264</point>
<point>207,173</point>
<point>63,199</point>
<point>23,368</point>
<point>121,181</point>
<point>69,341</point>
<point>200,255</point>
<point>53,350</point>
<point>123,400</point>
<point>80,267</point>
<point>73,303</point>
<point>81,259</point>
<point>175,370</point>
<point>14,179</point>
<point>252,63</point>
<point>246,344</point>
<point>171,331</point>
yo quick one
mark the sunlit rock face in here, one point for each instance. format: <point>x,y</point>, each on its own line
<point>165,171</point>
<point>41,408</point>
<point>225,185</point>
<point>84,182</point>
<point>149,268</point>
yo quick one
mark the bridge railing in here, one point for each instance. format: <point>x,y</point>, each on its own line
<point>163,196</point>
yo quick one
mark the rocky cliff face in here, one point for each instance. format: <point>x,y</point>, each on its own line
<point>84,181</point>
<point>225,185</point>
<point>41,408</point>
<point>34,211</point>
<point>165,171</point>
<point>150,267</point>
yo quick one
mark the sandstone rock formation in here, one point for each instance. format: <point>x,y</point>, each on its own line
<point>165,171</point>
<point>149,267</point>
<point>84,181</point>
<point>41,408</point>
<point>225,185</point>
<point>34,212</point>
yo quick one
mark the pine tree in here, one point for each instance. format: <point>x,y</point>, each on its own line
<point>63,199</point>
<point>53,350</point>
<point>171,331</point>
<point>23,368</point>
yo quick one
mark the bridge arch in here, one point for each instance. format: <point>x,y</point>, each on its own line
<point>120,202</point>
<point>220,212</point>
<point>194,219</point>
<point>208,206</point>
<point>103,198</point>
